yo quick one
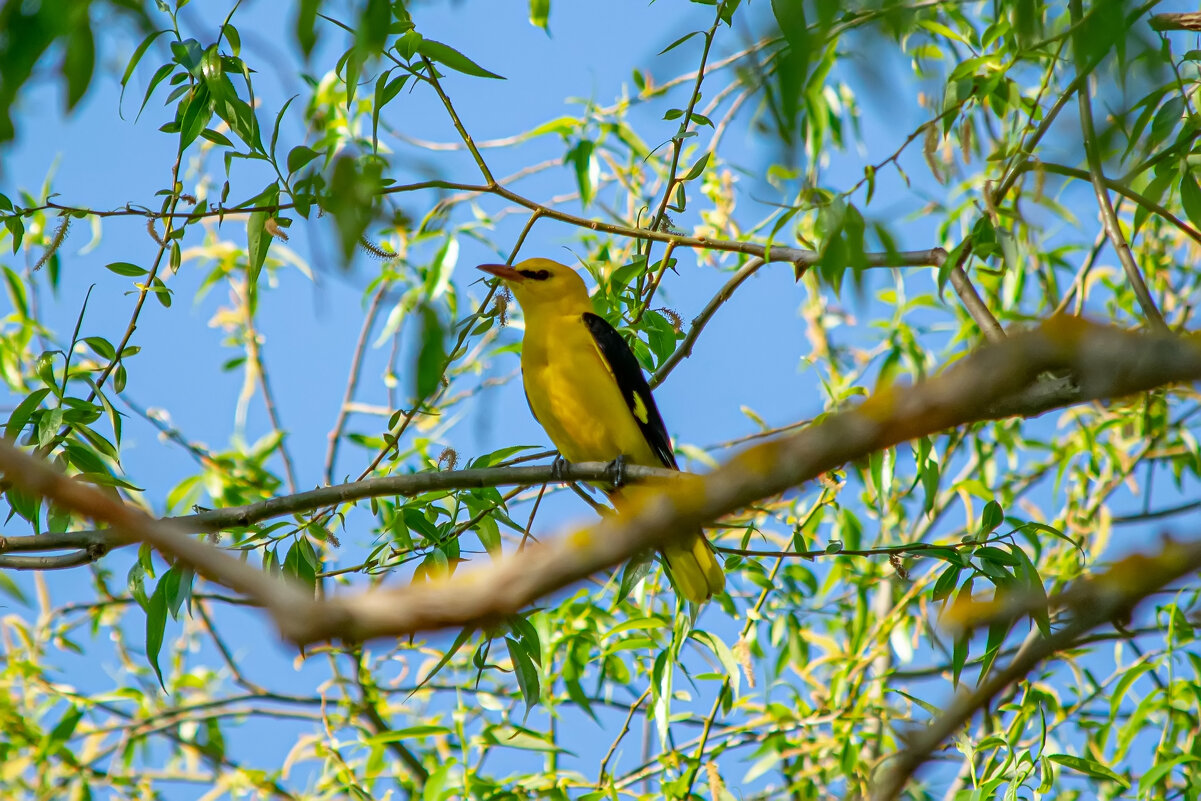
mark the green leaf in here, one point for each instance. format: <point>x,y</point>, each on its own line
<point>44,369</point>
<point>697,168</point>
<point>16,292</point>
<point>1089,767</point>
<point>724,655</point>
<point>181,589</point>
<point>993,516</point>
<point>997,632</point>
<point>258,241</point>
<point>299,564</point>
<point>188,54</point>
<point>932,710</point>
<point>446,657</point>
<point>526,632</point>
<point>489,533</point>
<point>300,156</point>
<point>408,44</point>
<point>1028,574</point>
<point>1031,527</point>
<point>351,198</point>
<point>156,624</point>
<point>526,672</point>
<point>216,137</point>
<point>498,456</point>
<point>385,90</point>
<point>998,555</point>
<point>1156,774</point>
<point>948,265</point>
<point>945,584</point>
<point>197,110</point>
<point>582,158</point>
<point>397,735</point>
<point>540,14</point>
<point>445,54</point>
<point>437,279</point>
<point>1190,198</point>
<point>279,120</point>
<point>306,26</point>
<point>125,268</point>
<point>635,571</point>
<point>678,42</point>
<point>136,58</point>
<point>159,74</point>
<point>662,677</point>
<point>11,588</point>
<point>235,38</point>
<point>960,650</point>
<point>79,60</point>
<point>16,229</point>
<point>62,730</point>
<point>431,356</point>
<point>371,32</point>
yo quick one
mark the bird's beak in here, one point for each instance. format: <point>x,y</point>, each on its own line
<point>502,271</point>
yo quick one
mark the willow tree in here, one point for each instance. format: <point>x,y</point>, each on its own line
<point>945,578</point>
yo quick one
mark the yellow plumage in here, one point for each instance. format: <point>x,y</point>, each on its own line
<point>587,391</point>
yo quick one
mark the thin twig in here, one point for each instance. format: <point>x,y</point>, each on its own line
<point>432,78</point>
<point>380,726</point>
<point>684,349</point>
<point>678,140</point>
<point>352,381</point>
<point>254,361</point>
<point>976,307</point>
<point>625,729</point>
<point>1109,219</point>
<point>1122,189</point>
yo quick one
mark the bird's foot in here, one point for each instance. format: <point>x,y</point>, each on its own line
<point>558,468</point>
<point>617,472</point>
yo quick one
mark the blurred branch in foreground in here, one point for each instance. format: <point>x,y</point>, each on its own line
<point>1103,362</point>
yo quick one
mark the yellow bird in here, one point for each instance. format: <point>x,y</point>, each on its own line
<point>587,390</point>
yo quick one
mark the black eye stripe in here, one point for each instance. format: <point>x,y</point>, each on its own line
<point>537,275</point>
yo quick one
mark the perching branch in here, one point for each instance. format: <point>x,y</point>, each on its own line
<point>92,544</point>
<point>130,525</point>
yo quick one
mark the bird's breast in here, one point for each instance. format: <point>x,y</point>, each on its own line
<point>575,397</point>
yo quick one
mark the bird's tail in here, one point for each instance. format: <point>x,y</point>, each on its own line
<point>693,568</point>
<point>692,565</point>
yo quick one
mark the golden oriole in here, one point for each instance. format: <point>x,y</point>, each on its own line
<point>587,390</point>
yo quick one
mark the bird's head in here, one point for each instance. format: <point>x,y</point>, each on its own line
<point>542,284</point>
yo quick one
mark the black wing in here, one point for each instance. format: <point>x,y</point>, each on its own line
<point>633,386</point>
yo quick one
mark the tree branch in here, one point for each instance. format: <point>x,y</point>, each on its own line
<point>94,543</point>
<point>1107,363</point>
<point>1109,218</point>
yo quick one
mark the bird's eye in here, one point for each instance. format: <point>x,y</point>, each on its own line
<point>536,275</point>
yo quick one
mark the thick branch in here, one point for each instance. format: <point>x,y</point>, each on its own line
<point>1106,362</point>
<point>36,477</point>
